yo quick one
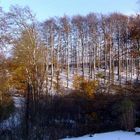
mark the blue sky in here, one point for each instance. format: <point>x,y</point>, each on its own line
<point>50,8</point>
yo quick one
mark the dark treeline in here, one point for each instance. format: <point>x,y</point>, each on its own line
<point>75,115</point>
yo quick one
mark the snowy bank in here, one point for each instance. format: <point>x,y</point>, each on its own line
<point>116,135</point>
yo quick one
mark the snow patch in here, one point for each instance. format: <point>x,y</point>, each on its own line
<point>116,135</point>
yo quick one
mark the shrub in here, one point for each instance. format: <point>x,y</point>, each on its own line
<point>77,81</point>
<point>6,106</point>
<point>57,83</point>
<point>87,86</point>
<point>127,114</point>
<point>100,75</point>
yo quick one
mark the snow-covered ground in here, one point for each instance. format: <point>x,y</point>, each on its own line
<point>116,135</point>
<point>63,76</point>
<point>125,78</point>
<point>14,119</point>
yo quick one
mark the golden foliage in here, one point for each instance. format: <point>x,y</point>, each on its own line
<point>87,86</point>
<point>77,81</point>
